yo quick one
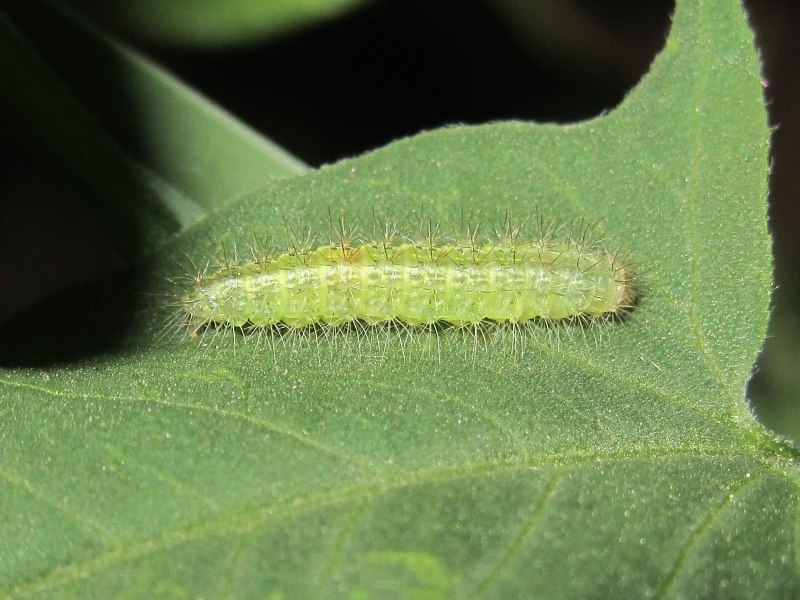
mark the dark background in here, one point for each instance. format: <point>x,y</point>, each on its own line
<point>393,68</point>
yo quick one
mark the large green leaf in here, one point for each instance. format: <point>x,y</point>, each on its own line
<point>622,466</point>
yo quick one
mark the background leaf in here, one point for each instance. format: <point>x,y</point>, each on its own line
<point>138,146</point>
<point>628,467</point>
<point>211,23</point>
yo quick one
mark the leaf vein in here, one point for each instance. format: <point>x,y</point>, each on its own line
<point>63,575</point>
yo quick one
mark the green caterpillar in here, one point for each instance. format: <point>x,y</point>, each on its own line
<point>461,283</point>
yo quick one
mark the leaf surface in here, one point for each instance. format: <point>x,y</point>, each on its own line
<point>616,462</point>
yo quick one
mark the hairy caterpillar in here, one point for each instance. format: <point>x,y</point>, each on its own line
<point>508,278</point>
